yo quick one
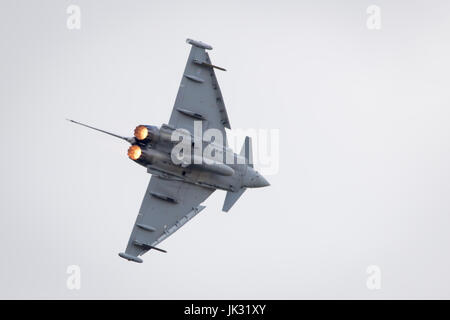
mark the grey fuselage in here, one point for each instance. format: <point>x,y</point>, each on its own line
<point>228,171</point>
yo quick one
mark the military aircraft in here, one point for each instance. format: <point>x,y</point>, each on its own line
<point>178,187</point>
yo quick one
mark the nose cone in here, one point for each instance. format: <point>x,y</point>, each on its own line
<point>261,182</point>
<point>255,180</point>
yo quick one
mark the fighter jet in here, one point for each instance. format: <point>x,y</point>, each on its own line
<point>188,158</point>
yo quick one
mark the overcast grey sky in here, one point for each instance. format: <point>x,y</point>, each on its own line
<point>363,117</point>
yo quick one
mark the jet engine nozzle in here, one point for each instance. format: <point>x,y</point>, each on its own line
<point>146,133</point>
<point>146,156</point>
<point>134,152</point>
<point>141,132</point>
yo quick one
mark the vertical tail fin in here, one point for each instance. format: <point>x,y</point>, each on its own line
<point>247,151</point>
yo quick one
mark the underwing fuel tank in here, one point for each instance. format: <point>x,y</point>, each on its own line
<point>214,166</point>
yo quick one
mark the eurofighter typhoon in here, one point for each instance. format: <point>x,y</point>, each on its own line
<point>188,158</point>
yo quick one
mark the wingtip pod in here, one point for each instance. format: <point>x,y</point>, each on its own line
<point>129,257</point>
<point>199,44</point>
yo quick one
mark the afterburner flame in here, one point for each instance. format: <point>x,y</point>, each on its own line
<point>134,152</point>
<point>141,132</point>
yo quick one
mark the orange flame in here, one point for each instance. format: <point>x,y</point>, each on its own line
<point>134,152</point>
<point>141,132</point>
